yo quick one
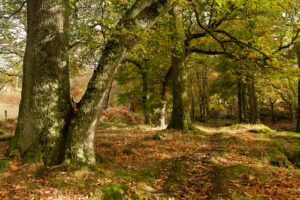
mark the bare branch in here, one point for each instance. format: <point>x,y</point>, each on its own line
<point>16,12</point>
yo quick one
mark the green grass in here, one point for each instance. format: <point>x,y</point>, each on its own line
<point>4,164</point>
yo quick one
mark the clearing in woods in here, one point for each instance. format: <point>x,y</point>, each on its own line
<point>138,162</point>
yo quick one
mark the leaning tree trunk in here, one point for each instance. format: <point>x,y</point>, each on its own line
<point>45,104</point>
<point>180,118</point>
<point>81,132</point>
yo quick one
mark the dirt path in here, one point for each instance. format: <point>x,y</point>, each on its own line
<point>137,161</point>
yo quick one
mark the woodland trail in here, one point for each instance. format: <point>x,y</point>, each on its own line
<point>140,162</point>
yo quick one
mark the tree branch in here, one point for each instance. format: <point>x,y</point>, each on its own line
<point>17,11</point>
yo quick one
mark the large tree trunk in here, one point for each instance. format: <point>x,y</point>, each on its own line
<point>163,103</point>
<point>298,106</point>
<point>47,128</point>
<point>181,113</point>
<point>253,115</point>
<point>82,128</point>
<point>45,106</point>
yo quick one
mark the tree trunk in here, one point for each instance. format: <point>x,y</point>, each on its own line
<point>81,132</point>
<point>145,98</point>
<point>47,128</point>
<point>205,94</point>
<point>241,101</point>
<point>45,104</point>
<point>181,113</point>
<point>193,103</point>
<point>292,115</point>
<point>163,103</point>
<point>200,94</point>
<point>106,100</point>
<point>272,110</point>
<point>253,115</point>
<point>298,107</point>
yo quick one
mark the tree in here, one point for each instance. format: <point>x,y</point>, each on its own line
<point>48,127</point>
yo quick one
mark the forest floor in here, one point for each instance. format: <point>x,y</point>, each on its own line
<point>138,162</point>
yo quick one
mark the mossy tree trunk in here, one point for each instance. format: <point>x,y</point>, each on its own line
<point>298,106</point>
<point>81,133</point>
<point>45,104</point>
<point>47,127</point>
<point>180,118</point>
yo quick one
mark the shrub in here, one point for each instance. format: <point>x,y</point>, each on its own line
<point>118,114</point>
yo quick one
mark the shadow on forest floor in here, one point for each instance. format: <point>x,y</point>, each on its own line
<point>138,162</point>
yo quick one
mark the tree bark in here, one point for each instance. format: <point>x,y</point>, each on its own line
<point>45,103</point>
<point>272,110</point>
<point>181,112</point>
<point>163,103</point>
<point>298,106</point>
<point>203,94</point>
<point>145,98</point>
<point>253,115</point>
<point>81,132</point>
<point>47,127</point>
<point>241,100</point>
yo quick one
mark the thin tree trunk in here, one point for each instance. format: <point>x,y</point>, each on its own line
<point>253,115</point>
<point>205,94</point>
<point>292,115</point>
<point>143,15</point>
<point>200,95</point>
<point>272,110</point>
<point>106,100</point>
<point>145,98</point>
<point>241,101</point>
<point>163,103</point>
<point>193,103</point>
<point>45,104</point>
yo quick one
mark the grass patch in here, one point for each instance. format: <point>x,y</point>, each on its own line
<point>156,137</point>
<point>58,182</point>
<point>223,176</point>
<point>289,134</point>
<point>114,191</point>
<point>128,151</point>
<point>4,164</point>
<point>138,145</point>
<point>2,132</point>
<point>252,128</point>
<point>178,174</point>
<point>6,138</point>
<point>106,144</point>
<point>148,174</point>
<point>104,159</point>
